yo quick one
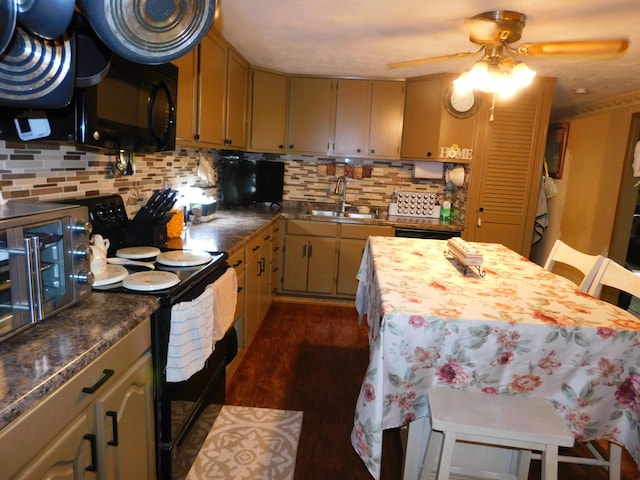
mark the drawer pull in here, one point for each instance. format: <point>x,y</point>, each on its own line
<point>114,426</point>
<point>106,374</point>
<point>237,264</point>
<point>94,454</point>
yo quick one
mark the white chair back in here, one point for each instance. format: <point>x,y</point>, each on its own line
<point>616,276</point>
<point>583,262</point>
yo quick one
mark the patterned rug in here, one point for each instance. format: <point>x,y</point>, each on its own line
<point>248,443</point>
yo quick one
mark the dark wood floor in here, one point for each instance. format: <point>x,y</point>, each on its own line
<point>312,358</point>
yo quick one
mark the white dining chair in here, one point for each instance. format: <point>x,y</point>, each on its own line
<point>612,274</point>
<point>586,264</point>
<point>616,276</point>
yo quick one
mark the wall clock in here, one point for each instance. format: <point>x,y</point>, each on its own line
<point>461,105</point>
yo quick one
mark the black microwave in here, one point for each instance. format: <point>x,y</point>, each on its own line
<point>133,108</point>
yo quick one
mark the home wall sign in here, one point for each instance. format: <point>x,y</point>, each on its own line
<point>455,152</point>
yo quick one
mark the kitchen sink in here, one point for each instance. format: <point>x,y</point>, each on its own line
<point>337,213</point>
<point>360,215</point>
<point>325,213</point>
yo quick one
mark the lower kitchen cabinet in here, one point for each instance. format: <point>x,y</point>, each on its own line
<point>310,254</point>
<point>125,425</point>
<point>353,239</point>
<point>257,282</point>
<point>98,425</point>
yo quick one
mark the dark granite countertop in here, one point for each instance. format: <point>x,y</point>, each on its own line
<point>41,358</point>
<point>230,230</point>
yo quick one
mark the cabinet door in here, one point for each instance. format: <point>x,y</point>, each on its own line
<point>311,111</point>
<point>353,239</point>
<point>126,425</point>
<point>353,108</point>
<point>72,456</point>
<point>387,109</point>
<point>322,261</point>
<point>351,250</point>
<point>252,297</point>
<point>422,119</point>
<point>186,121</point>
<point>213,90</point>
<point>269,95</point>
<point>295,263</point>
<point>237,85</point>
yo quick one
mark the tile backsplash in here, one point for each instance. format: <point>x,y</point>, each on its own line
<point>48,172</point>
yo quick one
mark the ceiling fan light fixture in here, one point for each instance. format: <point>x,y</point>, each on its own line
<point>502,76</point>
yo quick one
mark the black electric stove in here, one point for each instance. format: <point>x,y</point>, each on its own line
<point>108,216</point>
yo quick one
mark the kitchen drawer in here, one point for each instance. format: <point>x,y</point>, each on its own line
<point>237,261</point>
<point>263,236</point>
<point>365,231</point>
<point>309,227</point>
<point>25,437</point>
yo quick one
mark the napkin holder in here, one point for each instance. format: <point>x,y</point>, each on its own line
<point>466,254</point>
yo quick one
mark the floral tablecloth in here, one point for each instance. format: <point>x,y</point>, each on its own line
<point>518,330</point>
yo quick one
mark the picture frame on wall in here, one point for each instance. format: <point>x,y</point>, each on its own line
<point>557,136</point>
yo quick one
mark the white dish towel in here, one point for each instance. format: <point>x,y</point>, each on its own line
<point>225,297</point>
<point>196,325</point>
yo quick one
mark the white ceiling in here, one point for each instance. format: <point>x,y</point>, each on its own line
<point>359,37</point>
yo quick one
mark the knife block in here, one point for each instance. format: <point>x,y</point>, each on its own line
<point>143,233</point>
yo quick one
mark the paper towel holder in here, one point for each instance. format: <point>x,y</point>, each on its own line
<point>455,175</point>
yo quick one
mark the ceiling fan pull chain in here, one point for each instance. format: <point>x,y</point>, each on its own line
<point>493,106</point>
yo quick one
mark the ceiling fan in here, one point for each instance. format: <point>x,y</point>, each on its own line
<point>495,31</point>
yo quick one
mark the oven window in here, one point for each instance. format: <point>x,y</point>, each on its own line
<point>52,258</point>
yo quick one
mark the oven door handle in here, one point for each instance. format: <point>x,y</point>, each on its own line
<point>34,278</point>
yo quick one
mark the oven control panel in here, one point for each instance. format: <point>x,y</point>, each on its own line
<point>416,204</point>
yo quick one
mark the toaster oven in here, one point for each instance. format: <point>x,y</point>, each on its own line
<point>44,262</point>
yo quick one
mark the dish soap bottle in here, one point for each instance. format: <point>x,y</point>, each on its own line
<point>445,209</point>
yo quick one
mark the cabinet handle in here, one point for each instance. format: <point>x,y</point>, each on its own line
<point>373,150</point>
<point>240,289</point>
<point>280,147</point>
<point>357,150</point>
<point>94,456</point>
<point>255,248</point>
<point>228,141</point>
<point>304,251</point>
<point>114,426</point>
<point>310,251</point>
<point>106,374</point>
<point>267,238</point>
<point>290,146</point>
<point>237,264</point>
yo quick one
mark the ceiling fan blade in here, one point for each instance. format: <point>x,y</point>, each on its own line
<point>580,47</point>
<point>423,61</point>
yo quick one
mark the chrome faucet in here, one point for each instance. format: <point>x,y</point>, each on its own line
<point>341,188</point>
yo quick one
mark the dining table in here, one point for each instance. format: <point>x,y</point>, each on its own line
<point>504,327</point>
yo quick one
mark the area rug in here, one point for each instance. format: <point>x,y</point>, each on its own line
<point>248,443</point>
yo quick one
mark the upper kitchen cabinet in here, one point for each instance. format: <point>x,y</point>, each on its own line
<point>435,128</point>
<point>506,173</point>
<point>212,95</point>
<point>311,115</point>
<point>369,118</point>
<point>237,96</point>
<point>268,112</point>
